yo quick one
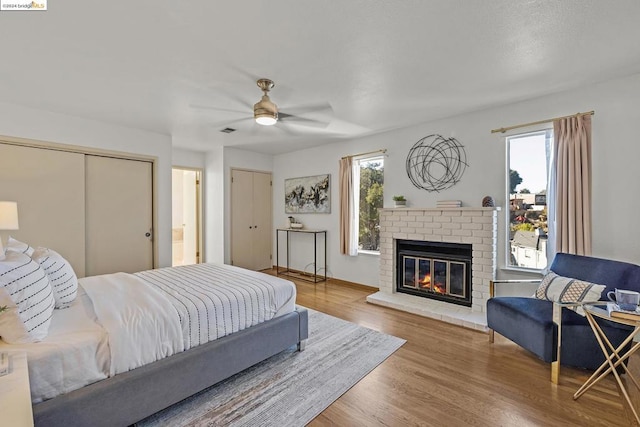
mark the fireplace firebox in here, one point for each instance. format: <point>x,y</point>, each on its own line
<point>436,270</point>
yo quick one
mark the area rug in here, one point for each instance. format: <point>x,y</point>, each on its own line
<point>290,388</point>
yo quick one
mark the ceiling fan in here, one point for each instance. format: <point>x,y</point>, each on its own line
<point>266,113</point>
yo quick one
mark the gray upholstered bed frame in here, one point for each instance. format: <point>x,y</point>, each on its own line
<point>131,396</point>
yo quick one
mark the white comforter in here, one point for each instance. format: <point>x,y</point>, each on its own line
<point>122,321</point>
<point>143,326</point>
<point>74,354</point>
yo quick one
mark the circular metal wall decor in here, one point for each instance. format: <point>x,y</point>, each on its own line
<point>436,163</point>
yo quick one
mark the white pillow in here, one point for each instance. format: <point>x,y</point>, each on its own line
<point>565,289</point>
<point>61,275</point>
<point>18,246</point>
<point>25,290</point>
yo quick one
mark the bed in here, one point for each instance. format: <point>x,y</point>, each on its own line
<point>106,361</point>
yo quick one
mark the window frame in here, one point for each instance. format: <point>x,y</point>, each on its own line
<point>357,164</point>
<point>546,130</point>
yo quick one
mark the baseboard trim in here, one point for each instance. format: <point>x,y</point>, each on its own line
<point>354,285</point>
<point>332,280</point>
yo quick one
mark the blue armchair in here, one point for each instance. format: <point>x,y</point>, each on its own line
<point>536,324</point>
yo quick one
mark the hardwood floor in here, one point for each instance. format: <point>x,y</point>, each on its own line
<point>446,375</point>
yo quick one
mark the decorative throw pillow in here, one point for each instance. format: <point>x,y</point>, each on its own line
<point>25,290</point>
<point>61,275</point>
<point>565,289</point>
<point>18,246</point>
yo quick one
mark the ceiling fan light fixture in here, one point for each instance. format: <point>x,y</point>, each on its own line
<point>265,112</point>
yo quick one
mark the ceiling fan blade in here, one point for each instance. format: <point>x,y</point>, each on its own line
<point>234,97</point>
<point>280,92</point>
<point>324,108</point>
<point>290,118</point>
<point>285,129</point>
<point>243,72</point>
<point>226,110</point>
<point>255,129</point>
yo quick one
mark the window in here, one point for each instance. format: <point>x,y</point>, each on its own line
<point>528,165</point>
<point>370,200</point>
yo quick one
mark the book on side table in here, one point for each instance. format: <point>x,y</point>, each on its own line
<point>615,311</point>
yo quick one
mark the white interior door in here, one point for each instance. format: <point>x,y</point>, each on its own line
<point>119,215</point>
<point>242,209</point>
<point>49,188</point>
<point>262,220</point>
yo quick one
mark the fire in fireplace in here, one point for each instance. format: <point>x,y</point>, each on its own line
<point>435,270</point>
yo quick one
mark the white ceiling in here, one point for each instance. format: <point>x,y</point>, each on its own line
<point>169,66</point>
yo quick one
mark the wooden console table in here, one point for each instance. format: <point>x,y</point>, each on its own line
<point>301,275</point>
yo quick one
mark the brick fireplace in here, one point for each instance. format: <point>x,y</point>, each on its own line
<point>477,227</point>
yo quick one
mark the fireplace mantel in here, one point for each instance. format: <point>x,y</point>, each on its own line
<point>462,209</point>
<point>477,226</point>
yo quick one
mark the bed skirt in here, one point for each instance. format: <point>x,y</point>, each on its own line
<point>129,397</point>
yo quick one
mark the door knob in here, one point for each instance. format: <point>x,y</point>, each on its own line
<point>147,234</point>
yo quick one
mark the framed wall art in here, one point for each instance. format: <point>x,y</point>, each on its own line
<point>309,194</point>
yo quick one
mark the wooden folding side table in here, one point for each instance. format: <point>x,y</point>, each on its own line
<point>613,356</point>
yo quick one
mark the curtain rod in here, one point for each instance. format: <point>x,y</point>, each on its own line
<point>384,150</point>
<point>503,130</point>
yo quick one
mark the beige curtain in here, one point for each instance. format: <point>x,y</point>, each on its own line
<point>572,155</point>
<point>346,207</point>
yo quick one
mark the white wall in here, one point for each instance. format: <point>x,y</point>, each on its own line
<point>218,163</point>
<point>188,158</point>
<point>214,206</point>
<point>317,161</point>
<point>616,148</point>
<point>22,122</point>
<point>615,151</point>
<point>177,197</point>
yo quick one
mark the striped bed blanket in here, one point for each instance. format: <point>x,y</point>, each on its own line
<point>157,313</point>
<point>215,300</point>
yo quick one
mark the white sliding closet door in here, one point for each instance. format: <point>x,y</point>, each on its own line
<point>49,188</point>
<point>119,215</point>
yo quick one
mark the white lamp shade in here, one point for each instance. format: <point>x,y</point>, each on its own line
<point>8,216</point>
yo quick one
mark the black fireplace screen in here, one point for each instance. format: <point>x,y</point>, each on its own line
<point>435,270</point>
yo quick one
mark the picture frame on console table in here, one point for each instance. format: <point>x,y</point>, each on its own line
<point>309,194</point>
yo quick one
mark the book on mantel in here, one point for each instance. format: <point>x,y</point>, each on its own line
<point>615,311</point>
<point>449,203</point>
